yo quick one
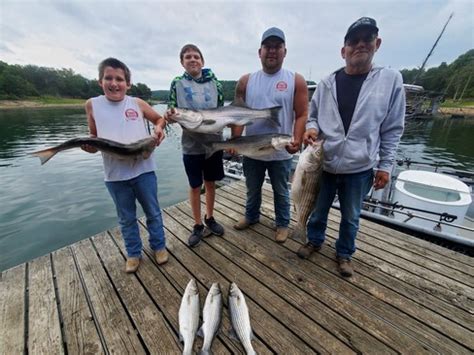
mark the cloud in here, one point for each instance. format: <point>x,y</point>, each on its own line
<point>148,35</point>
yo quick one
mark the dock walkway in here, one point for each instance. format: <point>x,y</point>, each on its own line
<point>407,296</point>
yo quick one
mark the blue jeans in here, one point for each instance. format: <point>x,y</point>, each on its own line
<point>279,172</point>
<point>351,189</point>
<point>143,188</point>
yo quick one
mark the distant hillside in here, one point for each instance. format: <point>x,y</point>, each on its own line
<point>455,79</point>
<point>22,81</point>
<point>228,87</point>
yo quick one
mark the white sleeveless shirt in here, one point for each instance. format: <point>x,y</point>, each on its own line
<point>121,122</point>
<point>269,90</point>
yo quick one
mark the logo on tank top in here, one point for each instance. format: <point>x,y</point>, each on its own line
<point>281,86</point>
<point>131,114</point>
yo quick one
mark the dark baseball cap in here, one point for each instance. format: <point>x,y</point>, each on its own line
<point>363,22</point>
<point>273,32</point>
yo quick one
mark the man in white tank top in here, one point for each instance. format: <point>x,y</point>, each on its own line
<point>272,86</point>
<point>119,117</point>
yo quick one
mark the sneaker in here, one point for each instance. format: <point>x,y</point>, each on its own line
<point>345,267</point>
<point>196,235</point>
<point>215,227</point>
<point>131,265</point>
<point>306,250</point>
<point>161,256</point>
<point>281,234</point>
<point>243,224</point>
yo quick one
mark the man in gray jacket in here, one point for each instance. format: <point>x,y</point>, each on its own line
<point>359,111</point>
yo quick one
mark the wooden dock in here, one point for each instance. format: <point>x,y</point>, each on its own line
<point>407,296</point>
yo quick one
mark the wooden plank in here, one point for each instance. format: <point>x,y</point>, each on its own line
<point>251,283</point>
<point>378,261</point>
<point>445,325</point>
<point>80,333</point>
<point>380,241</point>
<point>438,285</point>
<point>118,332</point>
<point>446,256</point>
<point>313,281</point>
<point>267,270</point>
<point>406,242</point>
<point>147,317</point>
<point>166,295</point>
<point>44,330</point>
<point>12,310</point>
<point>272,333</point>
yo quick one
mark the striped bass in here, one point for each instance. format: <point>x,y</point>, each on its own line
<point>214,120</point>
<point>251,146</point>
<point>188,316</point>
<point>211,316</point>
<point>139,149</point>
<point>239,315</point>
<point>305,186</point>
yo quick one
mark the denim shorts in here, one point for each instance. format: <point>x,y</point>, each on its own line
<point>198,168</point>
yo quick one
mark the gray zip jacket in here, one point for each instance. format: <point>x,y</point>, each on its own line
<point>375,129</point>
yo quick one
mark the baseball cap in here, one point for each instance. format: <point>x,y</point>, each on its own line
<point>363,22</point>
<point>273,32</point>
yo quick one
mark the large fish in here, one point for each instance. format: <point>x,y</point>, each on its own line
<point>239,316</point>
<point>189,316</point>
<point>251,146</point>
<point>214,120</point>
<point>142,148</point>
<point>305,186</point>
<point>211,316</point>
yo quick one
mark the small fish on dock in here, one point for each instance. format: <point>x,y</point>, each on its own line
<point>305,186</point>
<point>188,316</point>
<point>142,148</point>
<point>239,315</point>
<point>212,316</point>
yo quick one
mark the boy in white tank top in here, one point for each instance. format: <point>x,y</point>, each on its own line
<point>119,117</point>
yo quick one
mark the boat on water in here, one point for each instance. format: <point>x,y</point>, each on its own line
<point>419,102</point>
<point>423,198</point>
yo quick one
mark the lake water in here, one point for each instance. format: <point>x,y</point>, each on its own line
<point>43,208</point>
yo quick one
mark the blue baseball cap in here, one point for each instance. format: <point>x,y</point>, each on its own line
<point>273,32</point>
<point>363,22</point>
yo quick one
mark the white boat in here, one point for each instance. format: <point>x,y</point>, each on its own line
<point>431,203</point>
<point>434,203</point>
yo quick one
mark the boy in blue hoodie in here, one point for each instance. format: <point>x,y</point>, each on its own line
<point>198,88</point>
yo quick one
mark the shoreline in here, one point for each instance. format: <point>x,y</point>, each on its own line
<point>463,111</point>
<point>26,104</point>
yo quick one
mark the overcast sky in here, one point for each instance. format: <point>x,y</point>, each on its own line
<point>148,35</point>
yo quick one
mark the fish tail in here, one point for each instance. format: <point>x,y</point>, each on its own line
<point>45,155</point>
<point>299,233</point>
<point>209,149</point>
<point>274,115</point>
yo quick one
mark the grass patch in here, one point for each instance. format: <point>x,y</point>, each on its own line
<point>463,103</point>
<point>51,100</point>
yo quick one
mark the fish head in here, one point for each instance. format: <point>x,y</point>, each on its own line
<point>234,291</point>
<point>279,142</point>
<point>315,151</point>
<point>187,118</point>
<point>149,145</point>
<point>191,288</point>
<point>215,289</point>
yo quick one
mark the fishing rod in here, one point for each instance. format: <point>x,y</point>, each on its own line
<point>432,49</point>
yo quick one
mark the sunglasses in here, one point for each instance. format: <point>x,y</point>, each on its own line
<point>353,41</point>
